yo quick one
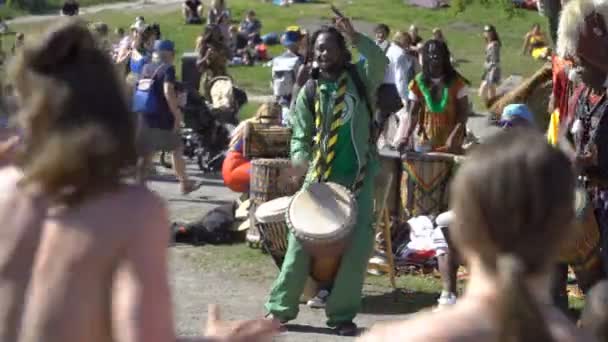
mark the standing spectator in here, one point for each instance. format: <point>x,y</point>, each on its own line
<point>402,65</point>
<point>491,74</point>
<point>159,130</point>
<point>220,15</point>
<point>251,27</point>
<point>416,41</point>
<point>212,59</point>
<point>70,8</point>
<point>381,33</point>
<point>284,71</point>
<point>140,55</point>
<point>192,11</point>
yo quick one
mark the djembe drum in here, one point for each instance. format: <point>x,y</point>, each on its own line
<point>272,226</point>
<point>265,184</point>
<point>583,250</point>
<point>264,141</point>
<point>424,182</point>
<point>322,218</point>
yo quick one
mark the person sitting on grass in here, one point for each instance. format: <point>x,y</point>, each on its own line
<point>192,10</point>
<point>70,8</point>
<point>84,252</point>
<point>535,44</point>
<point>236,169</point>
<point>251,27</point>
<point>498,234</point>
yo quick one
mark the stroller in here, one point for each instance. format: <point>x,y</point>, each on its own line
<point>208,126</point>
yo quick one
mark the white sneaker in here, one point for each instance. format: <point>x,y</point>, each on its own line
<point>446,299</point>
<point>318,301</point>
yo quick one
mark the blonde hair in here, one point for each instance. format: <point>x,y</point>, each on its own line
<point>401,38</point>
<point>572,23</point>
<point>79,135</point>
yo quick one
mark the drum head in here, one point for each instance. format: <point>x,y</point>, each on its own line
<point>273,211</point>
<point>324,211</point>
<point>580,201</point>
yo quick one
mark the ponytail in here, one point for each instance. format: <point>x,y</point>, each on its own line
<point>519,317</point>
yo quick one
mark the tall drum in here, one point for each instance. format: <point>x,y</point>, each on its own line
<point>322,217</point>
<point>265,184</point>
<point>424,183</point>
<point>583,249</point>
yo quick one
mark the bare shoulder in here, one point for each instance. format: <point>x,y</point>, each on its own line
<point>449,325</point>
<point>563,329</point>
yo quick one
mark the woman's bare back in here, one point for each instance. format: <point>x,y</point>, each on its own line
<point>81,252</point>
<point>21,215</point>
<point>470,322</point>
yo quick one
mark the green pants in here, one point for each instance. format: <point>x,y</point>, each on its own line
<point>344,301</point>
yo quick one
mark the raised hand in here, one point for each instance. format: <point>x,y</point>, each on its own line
<point>345,26</point>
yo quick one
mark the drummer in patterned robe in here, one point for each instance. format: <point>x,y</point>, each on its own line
<point>583,38</point>
<point>439,104</point>
<point>439,109</point>
<point>331,142</point>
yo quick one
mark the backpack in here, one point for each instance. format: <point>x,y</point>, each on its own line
<point>213,228</point>
<point>284,75</point>
<point>145,100</point>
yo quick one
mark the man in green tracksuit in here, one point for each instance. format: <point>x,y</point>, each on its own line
<point>341,96</point>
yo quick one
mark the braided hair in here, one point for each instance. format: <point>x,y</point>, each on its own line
<point>448,69</point>
<point>342,47</point>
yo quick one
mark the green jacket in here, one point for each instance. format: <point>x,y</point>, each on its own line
<point>371,71</point>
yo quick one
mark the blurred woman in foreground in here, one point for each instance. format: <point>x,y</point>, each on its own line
<point>506,204</point>
<point>90,249</point>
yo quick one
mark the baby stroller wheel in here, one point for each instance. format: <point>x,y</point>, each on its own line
<point>164,160</point>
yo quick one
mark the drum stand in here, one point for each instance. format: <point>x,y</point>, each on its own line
<point>384,221</point>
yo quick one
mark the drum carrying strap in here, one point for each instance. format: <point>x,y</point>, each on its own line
<point>322,166</point>
<point>323,159</point>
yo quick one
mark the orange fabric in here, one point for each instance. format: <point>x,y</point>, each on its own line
<point>439,126</point>
<point>561,83</point>
<point>236,172</point>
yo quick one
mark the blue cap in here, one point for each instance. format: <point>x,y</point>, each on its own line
<point>517,110</point>
<point>291,37</point>
<point>164,45</point>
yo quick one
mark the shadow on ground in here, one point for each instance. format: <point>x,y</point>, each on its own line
<point>398,302</point>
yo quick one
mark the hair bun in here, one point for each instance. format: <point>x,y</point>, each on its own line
<point>61,45</point>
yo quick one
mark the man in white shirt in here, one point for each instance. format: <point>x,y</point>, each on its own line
<point>402,65</point>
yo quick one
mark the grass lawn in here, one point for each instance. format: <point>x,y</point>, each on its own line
<point>463,31</point>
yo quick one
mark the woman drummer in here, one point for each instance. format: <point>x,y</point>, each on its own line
<point>236,169</point>
<point>499,235</point>
<point>439,103</point>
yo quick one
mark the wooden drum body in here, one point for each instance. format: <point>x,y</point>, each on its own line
<point>265,182</point>
<point>424,183</point>
<point>271,224</point>
<point>583,249</point>
<point>264,141</point>
<point>322,217</point>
